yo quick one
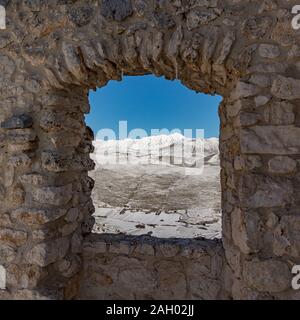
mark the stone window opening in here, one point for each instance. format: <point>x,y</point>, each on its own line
<point>245,51</point>
<point>144,178</point>
<point>149,209</point>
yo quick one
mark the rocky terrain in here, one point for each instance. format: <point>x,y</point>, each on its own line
<point>137,196</point>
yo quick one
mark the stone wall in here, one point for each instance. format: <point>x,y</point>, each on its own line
<point>128,267</point>
<point>53,52</point>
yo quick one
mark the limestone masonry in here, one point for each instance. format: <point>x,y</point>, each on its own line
<point>53,52</point>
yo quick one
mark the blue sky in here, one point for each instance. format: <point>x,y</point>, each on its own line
<point>149,102</point>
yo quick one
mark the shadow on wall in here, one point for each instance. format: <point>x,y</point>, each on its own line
<point>129,267</point>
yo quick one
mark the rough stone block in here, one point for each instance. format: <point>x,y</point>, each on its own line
<point>8,252</point>
<point>196,18</point>
<point>46,253</point>
<point>280,140</point>
<point>13,237</point>
<point>280,113</point>
<point>267,276</point>
<point>56,196</point>
<point>18,122</point>
<point>239,231</point>
<point>269,51</point>
<point>282,165</point>
<point>31,216</point>
<point>286,88</point>
<point>117,10</point>
<point>20,136</point>
<point>264,192</point>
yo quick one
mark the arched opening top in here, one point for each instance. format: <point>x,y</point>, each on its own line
<point>148,102</point>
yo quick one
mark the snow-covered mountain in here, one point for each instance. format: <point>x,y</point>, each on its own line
<point>166,198</point>
<point>166,149</point>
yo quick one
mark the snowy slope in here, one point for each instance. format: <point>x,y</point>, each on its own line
<point>159,199</point>
<point>174,148</point>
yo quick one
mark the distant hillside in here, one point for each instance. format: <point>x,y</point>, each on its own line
<point>174,149</point>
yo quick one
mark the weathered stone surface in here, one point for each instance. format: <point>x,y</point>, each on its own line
<point>260,80</point>
<point>145,249</point>
<point>59,163</point>
<point>73,61</point>
<point>68,267</point>
<point>265,192</point>
<point>282,165</point>
<point>29,294</point>
<point>52,55</point>
<point>267,5</point>
<point>82,15</point>
<point>68,229</point>
<point>43,233</point>
<point>56,196</point>
<point>13,237</point>
<point>271,140</point>
<point>294,52</point>
<point>59,120</point>
<point>196,18</point>
<point>18,122</point>
<point>132,272</point>
<point>171,276</point>
<point>247,162</point>
<point>244,90</point>
<point>16,195</point>
<point>21,147</point>
<point>282,33</point>
<point>35,179</point>
<point>280,113</point>
<point>246,119</point>
<point>180,276</point>
<point>5,220</point>
<point>76,243</point>
<point>286,237</point>
<point>257,27</point>
<point>234,109</point>
<point>239,233</point>
<point>7,252</point>
<point>286,88</point>
<point>20,136</point>
<point>20,160</point>
<point>32,216</point>
<point>46,253</point>
<point>260,275</point>
<point>116,9</point>
<point>24,276</point>
<point>168,250</point>
<point>207,289</point>
<point>269,51</point>
<point>7,68</point>
<point>72,215</point>
<point>261,100</point>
